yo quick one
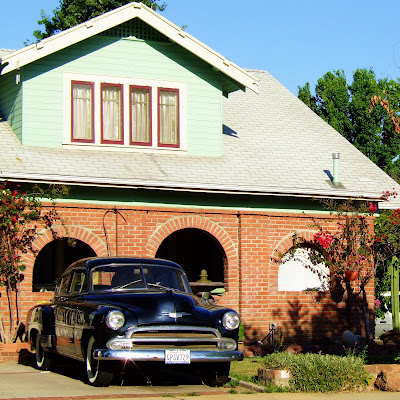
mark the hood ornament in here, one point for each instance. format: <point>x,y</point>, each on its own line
<point>176,314</point>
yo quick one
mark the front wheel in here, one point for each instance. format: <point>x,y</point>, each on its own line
<point>215,374</point>
<point>96,374</point>
<point>43,359</point>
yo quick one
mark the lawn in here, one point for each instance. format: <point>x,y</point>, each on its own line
<point>246,370</point>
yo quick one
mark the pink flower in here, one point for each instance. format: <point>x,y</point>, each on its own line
<point>377,303</point>
<point>372,208</point>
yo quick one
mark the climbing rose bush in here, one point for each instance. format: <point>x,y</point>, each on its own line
<point>21,215</point>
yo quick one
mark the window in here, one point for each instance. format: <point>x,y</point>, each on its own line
<point>78,282</point>
<point>168,125</point>
<point>124,112</point>
<point>111,113</point>
<point>140,107</point>
<point>298,272</point>
<point>82,112</point>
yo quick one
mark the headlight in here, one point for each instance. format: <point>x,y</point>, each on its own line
<point>230,320</point>
<point>115,319</point>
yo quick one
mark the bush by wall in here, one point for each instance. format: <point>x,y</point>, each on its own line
<point>320,373</point>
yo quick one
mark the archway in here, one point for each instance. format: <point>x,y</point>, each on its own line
<point>53,259</point>
<point>195,250</point>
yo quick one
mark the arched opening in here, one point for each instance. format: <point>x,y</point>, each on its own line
<point>53,260</point>
<point>195,250</point>
<point>302,270</point>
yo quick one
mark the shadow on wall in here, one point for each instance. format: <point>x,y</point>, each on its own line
<point>313,324</point>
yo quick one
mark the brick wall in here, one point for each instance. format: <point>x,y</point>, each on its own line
<point>251,242</point>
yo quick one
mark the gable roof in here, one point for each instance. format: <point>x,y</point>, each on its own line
<point>273,145</point>
<point>116,17</point>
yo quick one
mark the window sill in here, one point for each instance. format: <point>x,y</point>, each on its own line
<point>124,148</point>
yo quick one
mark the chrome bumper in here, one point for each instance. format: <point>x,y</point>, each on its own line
<point>159,355</point>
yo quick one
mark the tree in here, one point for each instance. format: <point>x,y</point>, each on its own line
<point>74,12</point>
<point>347,247</point>
<point>346,107</point>
<point>21,215</point>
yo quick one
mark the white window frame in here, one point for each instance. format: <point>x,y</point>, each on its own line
<point>126,83</point>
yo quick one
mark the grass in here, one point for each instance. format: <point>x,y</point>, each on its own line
<point>247,370</point>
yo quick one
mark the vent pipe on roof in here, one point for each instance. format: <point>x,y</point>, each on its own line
<point>336,175</point>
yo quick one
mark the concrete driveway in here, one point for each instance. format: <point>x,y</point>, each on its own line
<point>66,381</point>
<point>22,381</point>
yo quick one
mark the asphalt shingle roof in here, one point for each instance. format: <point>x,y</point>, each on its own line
<point>272,143</point>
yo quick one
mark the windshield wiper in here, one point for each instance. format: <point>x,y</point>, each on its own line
<point>128,284</point>
<point>157,285</point>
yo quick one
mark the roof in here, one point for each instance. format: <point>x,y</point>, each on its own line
<point>116,17</point>
<point>5,52</point>
<point>273,144</point>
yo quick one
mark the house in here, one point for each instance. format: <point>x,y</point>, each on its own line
<point>170,150</point>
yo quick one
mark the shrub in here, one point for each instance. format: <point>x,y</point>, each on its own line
<point>320,373</point>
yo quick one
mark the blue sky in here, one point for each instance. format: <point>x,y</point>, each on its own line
<point>296,41</point>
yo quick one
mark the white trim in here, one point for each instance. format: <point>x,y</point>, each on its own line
<point>116,17</point>
<point>68,77</point>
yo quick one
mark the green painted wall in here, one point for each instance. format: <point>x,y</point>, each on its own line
<point>11,102</point>
<point>126,57</point>
<point>155,198</point>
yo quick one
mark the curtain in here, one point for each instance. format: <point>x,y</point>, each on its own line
<point>82,112</point>
<point>140,111</point>
<point>112,113</point>
<point>168,117</point>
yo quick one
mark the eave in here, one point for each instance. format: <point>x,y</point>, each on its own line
<point>187,187</point>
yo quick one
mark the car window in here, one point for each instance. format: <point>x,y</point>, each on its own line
<point>63,285</point>
<point>78,284</point>
<point>138,277</point>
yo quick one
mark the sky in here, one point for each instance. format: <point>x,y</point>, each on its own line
<point>296,41</point>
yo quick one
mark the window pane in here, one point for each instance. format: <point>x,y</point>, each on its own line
<point>140,114</point>
<point>82,112</point>
<point>112,113</point>
<point>168,117</point>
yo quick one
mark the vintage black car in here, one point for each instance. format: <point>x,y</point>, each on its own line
<point>108,310</point>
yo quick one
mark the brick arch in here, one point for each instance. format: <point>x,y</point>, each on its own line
<point>198,222</point>
<point>73,231</point>
<point>284,245</point>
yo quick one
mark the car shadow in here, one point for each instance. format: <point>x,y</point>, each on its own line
<point>126,374</point>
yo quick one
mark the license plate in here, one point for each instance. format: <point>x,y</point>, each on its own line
<point>177,356</point>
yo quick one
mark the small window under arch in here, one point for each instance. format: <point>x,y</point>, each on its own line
<point>299,271</point>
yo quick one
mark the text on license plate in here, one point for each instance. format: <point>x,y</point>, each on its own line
<point>177,356</point>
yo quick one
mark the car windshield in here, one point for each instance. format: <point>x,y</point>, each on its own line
<point>118,277</point>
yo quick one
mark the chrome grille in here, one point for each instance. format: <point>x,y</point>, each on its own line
<point>174,337</point>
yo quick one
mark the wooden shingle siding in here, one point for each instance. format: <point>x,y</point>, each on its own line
<point>125,58</point>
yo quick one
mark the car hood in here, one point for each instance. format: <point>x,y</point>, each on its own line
<point>152,308</point>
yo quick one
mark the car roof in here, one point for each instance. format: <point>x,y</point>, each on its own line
<point>92,262</point>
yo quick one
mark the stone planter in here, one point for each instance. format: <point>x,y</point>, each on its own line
<point>279,377</point>
<point>11,351</point>
<point>385,376</point>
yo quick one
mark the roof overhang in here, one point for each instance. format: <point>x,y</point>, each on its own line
<point>116,17</point>
<point>188,187</point>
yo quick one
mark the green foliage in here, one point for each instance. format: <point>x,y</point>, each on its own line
<point>387,247</point>
<point>74,12</point>
<point>21,214</point>
<point>320,373</point>
<point>346,107</point>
